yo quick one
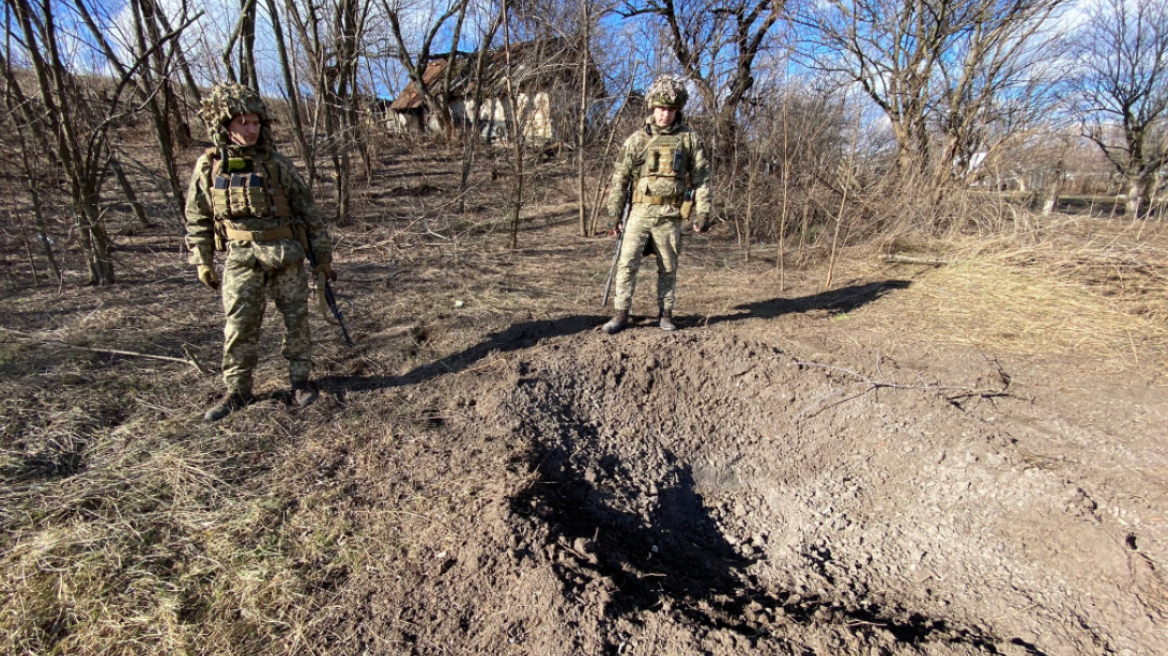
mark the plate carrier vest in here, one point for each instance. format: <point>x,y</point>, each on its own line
<point>246,187</point>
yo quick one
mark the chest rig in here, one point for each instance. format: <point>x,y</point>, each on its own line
<point>247,187</point>
<point>664,160</point>
<point>665,157</point>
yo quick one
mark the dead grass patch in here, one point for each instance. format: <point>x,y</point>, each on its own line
<point>1073,288</point>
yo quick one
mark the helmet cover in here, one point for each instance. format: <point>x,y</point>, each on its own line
<point>667,91</point>
<point>225,102</point>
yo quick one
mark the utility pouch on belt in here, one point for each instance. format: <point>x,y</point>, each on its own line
<point>687,205</point>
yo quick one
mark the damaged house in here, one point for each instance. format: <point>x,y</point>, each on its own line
<point>545,76</point>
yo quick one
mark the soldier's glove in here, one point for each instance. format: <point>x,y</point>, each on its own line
<point>703,226</point>
<point>326,269</point>
<point>208,277</point>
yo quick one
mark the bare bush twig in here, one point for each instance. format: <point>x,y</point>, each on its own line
<point>189,360</point>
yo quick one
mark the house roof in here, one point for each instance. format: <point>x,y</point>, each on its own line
<point>409,98</point>
<point>541,63</point>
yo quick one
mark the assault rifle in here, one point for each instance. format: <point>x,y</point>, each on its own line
<point>324,294</point>
<point>620,238</point>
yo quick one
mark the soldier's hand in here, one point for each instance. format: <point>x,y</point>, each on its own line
<point>327,270</point>
<point>208,277</point>
<point>703,225</point>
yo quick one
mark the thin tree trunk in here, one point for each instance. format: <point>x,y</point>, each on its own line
<point>127,189</point>
<point>516,131</point>
<point>468,156</point>
<point>248,74</point>
<point>158,117</point>
<point>582,124</point>
<point>1052,196</point>
<point>291,89</point>
<point>52,78</point>
<point>36,274</point>
<point>748,223</point>
<point>448,73</point>
<point>781,258</point>
<point>181,58</point>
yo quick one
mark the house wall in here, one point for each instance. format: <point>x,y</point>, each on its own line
<point>495,113</point>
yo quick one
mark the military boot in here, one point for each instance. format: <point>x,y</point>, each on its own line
<point>304,393</point>
<point>230,402</point>
<point>617,323</point>
<point>666,321</point>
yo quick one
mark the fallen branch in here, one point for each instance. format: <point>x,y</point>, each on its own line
<point>871,385</point>
<point>906,259</point>
<point>189,360</point>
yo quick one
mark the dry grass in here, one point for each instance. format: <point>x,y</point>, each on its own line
<point>166,541</point>
<point>1069,288</point>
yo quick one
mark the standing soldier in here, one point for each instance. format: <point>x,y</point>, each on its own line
<point>664,167</point>
<point>248,200</point>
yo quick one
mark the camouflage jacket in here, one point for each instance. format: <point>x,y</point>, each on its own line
<point>662,162</point>
<point>200,215</point>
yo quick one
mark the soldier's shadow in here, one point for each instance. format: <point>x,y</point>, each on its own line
<point>529,333</point>
<point>513,338</point>
<point>836,301</point>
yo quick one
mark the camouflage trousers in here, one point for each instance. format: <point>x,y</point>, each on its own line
<point>246,284</point>
<point>666,234</point>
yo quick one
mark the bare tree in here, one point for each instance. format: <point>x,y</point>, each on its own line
<point>153,72</point>
<point>22,120</point>
<point>79,116</point>
<point>516,130</point>
<point>1004,80</point>
<point>474,126</point>
<point>926,62</point>
<point>590,15</point>
<point>574,81</point>
<point>1122,91</point>
<point>292,91</point>
<point>716,43</point>
<point>332,34</point>
<point>416,66</point>
<point>243,37</point>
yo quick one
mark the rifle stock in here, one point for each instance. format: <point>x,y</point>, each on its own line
<point>326,292</point>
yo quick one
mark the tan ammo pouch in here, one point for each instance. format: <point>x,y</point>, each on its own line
<point>686,209</point>
<point>645,199</point>
<point>283,232</point>
<point>250,193</point>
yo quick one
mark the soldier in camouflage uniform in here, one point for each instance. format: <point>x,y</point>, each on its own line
<point>248,200</point>
<point>664,167</point>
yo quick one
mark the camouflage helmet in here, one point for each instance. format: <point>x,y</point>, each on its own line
<point>667,91</point>
<point>225,102</point>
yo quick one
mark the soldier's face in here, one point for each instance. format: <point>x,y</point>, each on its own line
<point>244,129</point>
<point>663,116</point>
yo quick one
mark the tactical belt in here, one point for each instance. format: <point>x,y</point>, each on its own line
<point>646,199</point>
<point>283,232</point>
